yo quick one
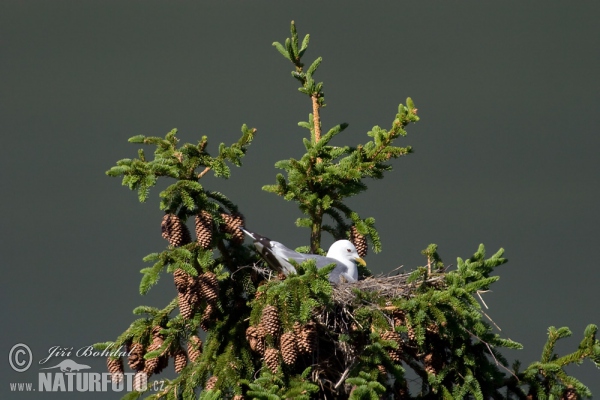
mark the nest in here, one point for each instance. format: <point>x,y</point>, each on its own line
<point>390,286</point>
<point>334,359</point>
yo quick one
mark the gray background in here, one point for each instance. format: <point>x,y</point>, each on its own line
<point>506,152</point>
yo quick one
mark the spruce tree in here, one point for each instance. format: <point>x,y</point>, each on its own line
<point>237,330</point>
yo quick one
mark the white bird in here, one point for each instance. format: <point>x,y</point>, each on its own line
<point>341,253</point>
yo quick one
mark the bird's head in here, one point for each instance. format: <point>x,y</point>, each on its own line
<point>345,250</point>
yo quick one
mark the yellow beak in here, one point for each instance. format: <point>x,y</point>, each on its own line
<point>360,261</point>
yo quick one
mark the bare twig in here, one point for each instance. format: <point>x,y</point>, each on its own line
<point>491,352</point>
<point>316,117</point>
<point>344,376</point>
<point>201,174</point>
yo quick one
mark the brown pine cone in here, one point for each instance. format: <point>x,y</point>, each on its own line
<point>151,364</point>
<point>136,357</point>
<point>204,228</point>
<point>307,340</point>
<point>156,332</point>
<point>207,317</point>
<point>255,340</point>
<point>382,369</point>
<point>115,367</point>
<point>412,335</point>
<point>433,328</point>
<point>297,329</point>
<point>174,231</point>
<point>211,383</point>
<point>270,320</point>
<point>194,348</point>
<point>398,317</point>
<point>185,308</point>
<point>359,241</point>
<point>209,286</point>
<point>231,224</point>
<point>395,354</point>
<point>432,363</point>
<point>140,381</point>
<point>272,359</point>
<point>181,279</point>
<point>191,296</point>
<point>289,351</point>
<point>401,390</point>
<point>569,394</point>
<point>237,397</point>
<point>428,362</point>
<point>180,360</point>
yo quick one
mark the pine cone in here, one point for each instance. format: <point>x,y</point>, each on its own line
<point>237,397</point>
<point>180,360</point>
<point>115,367</point>
<point>181,279</point>
<point>191,296</point>
<point>569,394</point>
<point>151,364</point>
<point>194,348</point>
<point>209,287</point>
<point>140,381</point>
<point>412,335</point>
<point>204,228</point>
<point>272,359</point>
<point>433,329</point>
<point>382,369</point>
<point>231,224</point>
<point>359,241</point>
<point>297,329</point>
<point>401,390</point>
<point>398,317</point>
<point>174,230</point>
<point>307,340</point>
<point>157,364</point>
<point>156,332</point>
<point>211,383</point>
<point>255,341</point>
<point>395,354</point>
<point>136,357</point>
<point>289,351</point>
<point>428,362</point>
<point>163,362</point>
<point>185,308</point>
<point>207,317</point>
<point>270,320</point>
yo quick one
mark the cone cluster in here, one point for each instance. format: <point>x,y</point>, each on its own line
<point>174,230</point>
<point>359,241</point>
<point>204,229</point>
<point>231,225</point>
<point>191,290</point>
<point>302,340</point>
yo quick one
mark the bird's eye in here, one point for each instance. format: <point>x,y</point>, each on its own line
<point>349,251</point>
